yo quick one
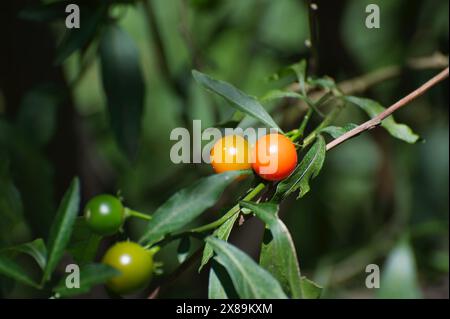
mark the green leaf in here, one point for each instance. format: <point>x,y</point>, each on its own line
<point>399,274</point>
<point>336,131</point>
<point>83,244</point>
<point>373,108</point>
<point>215,288</point>
<point>11,269</point>
<point>280,94</point>
<point>326,83</point>
<point>300,71</point>
<point>36,249</point>
<point>183,249</point>
<point>78,38</point>
<point>220,285</point>
<point>187,204</point>
<point>297,69</point>
<point>310,289</point>
<point>124,87</point>
<point>308,169</point>
<point>249,279</point>
<point>238,99</point>
<point>62,227</point>
<point>90,276</point>
<point>278,254</point>
<point>222,232</point>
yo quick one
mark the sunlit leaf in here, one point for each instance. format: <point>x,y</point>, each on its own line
<point>36,249</point>
<point>308,169</point>
<point>278,254</point>
<point>238,99</point>
<point>372,108</point>
<point>310,289</point>
<point>220,285</point>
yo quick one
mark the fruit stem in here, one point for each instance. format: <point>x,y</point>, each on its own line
<point>129,212</point>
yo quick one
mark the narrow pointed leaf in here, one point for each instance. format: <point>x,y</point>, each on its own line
<point>187,204</point>
<point>373,108</point>
<point>238,99</point>
<point>61,229</point>
<point>250,280</point>
<point>278,254</point>
<point>310,289</point>
<point>220,285</point>
<point>308,169</point>
<point>36,249</point>
<point>11,269</point>
<point>300,71</point>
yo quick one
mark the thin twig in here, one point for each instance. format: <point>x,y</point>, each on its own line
<point>360,84</point>
<point>374,122</point>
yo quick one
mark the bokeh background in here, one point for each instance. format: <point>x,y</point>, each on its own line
<point>377,200</point>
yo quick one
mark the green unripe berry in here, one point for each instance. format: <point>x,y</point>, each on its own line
<point>104,214</point>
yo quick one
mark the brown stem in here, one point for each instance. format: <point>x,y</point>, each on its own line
<point>394,107</point>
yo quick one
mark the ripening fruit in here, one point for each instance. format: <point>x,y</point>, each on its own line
<point>135,264</point>
<point>230,153</point>
<point>275,157</point>
<point>104,214</point>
